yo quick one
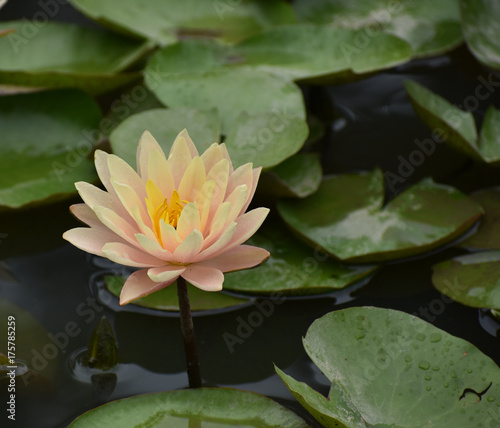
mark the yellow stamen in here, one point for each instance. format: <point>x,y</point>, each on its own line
<point>169,211</point>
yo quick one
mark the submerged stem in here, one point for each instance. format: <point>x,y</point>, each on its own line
<point>193,365</point>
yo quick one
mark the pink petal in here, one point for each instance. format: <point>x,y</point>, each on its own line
<point>193,180</point>
<point>166,273</point>
<point>226,156</point>
<point>189,248</point>
<point>179,158</point>
<point>91,240</point>
<point>237,199</point>
<point>147,146</point>
<point>242,175</point>
<point>204,203</point>
<point>93,196</point>
<point>248,224</point>
<point>151,246</point>
<point>169,236</point>
<point>218,246</point>
<point>212,156</point>
<point>189,220</point>
<point>123,173</point>
<point>220,174</point>
<point>128,197</point>
<point>241,257</point>
<point>129,256</point>
<point>117,224</point>
<point>189,143</point>
<point>204,277</point>
<point>85,214</point>
<point>219,224</point>
<point>255,181</point>
<point>146,230</point>
<point>139,285</point>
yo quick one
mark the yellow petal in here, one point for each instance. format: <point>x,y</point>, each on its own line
<point>189,220</point>
<point>170,239</point>
<point>179,159</point>
<point>192,181</point>
<point>160,174</point>
<point>189,248</point>
<point>220,174</point>
<point>217,227</point>
<point>204,202</point>
<point>212,156</point>
<point>129,256</point>
<point>151,246</point>
<point>147,146</point>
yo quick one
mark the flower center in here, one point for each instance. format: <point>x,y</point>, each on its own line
<point>168,211</point>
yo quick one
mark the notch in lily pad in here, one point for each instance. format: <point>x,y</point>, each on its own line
<point>456,127</point>
<point>348,218</point>
<point>102,352</point>
<point>379,361</point>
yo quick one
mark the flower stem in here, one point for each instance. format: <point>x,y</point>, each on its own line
<point>193,365</point>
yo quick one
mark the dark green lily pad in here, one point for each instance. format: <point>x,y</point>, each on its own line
<point>293,268</point>
<point>166,21</point>
<point>57,55</point>
<point>430,27</point>
<point>391,369</point>
<point>166,299</point>
<point>487,236</point>
<point>456,127</point>
<point>253,138</point>
<point>481,30</point>
<point>35,352</point>
<point>202,407</point>
<point>473,279</point>
<point>298,176</point>
<point>347,218</point>
<point>164,124</point>
<point>183,75</point>
<point>42,161</point>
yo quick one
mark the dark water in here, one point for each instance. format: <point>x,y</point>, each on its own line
<point>368,123</point>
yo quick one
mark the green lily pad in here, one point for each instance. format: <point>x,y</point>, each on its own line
<point>473,279</point>
<point>456,127</point>
<point>164,124</point>
<point>254,139</point>
<point>487,236</point>
<point>347,217</point>
<point>35,351</point>
<point>293,268</point>
<point>166,299</point>
<point>298,176</point>
<point>166,21</point>
<point>57,55</point>
<point>430,27</point>
<point>42,161</point>
<point>202,407</point>
<point>182,75</point>
<point>481,29</point>
<point>391,369</point>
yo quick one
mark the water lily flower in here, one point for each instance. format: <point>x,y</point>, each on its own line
<point>178,216</point>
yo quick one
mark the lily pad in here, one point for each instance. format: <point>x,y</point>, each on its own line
<point>347,217</point>
<point>202,407</point>
<point>164,125</point>
<point>293,268</point>
<point>166,299</point>
<point>473,279</point>
<point>42,161</point>
<point>487,236</point>
<point>182,76</point>
<point>456,127</point>
<point>481,29</point>
<point>166,21</point>
<point>298,176</point>
<point>56,55</point>
<point>391,369</point>
<point>430,27</point>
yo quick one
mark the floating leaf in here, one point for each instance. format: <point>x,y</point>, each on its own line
<point>456,127</point>
<point>298,176</point>
<point>347,218</point>
<point>166,299</point>
<point>253,139</point>
<point>293,268</point>
<point>481,30</point>
<point>391,369</point>
<point>166,21</point>
<point>164,125</point>
<point>473,279</point>
<point>489,142</point>
<point>202,407</point>
<point>183,76</point>
<point>487,236</point>
<point>57,55</point>
<point>42,161</point>
<point>430,27</point>
<point>102,351</point>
